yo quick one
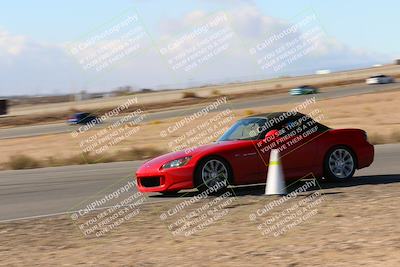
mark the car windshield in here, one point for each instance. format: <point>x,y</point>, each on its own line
<point>246,129</point>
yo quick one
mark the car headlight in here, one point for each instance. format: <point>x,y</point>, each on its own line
<point>176,163</point>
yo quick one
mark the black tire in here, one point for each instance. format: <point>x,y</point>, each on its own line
<point>340,163</point>
<point>219,182</point>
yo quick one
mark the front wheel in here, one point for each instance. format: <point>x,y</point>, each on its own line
<point>213,172</point>
<point>340,164</point>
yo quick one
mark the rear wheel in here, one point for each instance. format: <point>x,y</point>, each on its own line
<point>340,164</point>
<point>213,172</point>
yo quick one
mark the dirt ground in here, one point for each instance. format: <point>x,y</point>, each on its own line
<point>354,225</point>
<point>374,113</point>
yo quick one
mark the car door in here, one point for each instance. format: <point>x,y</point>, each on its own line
<point>249,166</point>
<point>297,145</point>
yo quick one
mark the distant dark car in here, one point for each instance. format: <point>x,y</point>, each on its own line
<point>82,118</point>
<point>3,106</point>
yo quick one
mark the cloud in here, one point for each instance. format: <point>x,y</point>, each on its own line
<point>28,66</point>
<point>12,45</point>
<point>253,28</point>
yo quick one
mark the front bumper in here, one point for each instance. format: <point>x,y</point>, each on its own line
<point>167,180</point>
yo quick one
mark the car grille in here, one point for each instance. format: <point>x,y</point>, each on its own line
<point>150,181</point>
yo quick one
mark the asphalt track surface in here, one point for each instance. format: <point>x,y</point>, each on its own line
<point>50,191</point>
<point>36,130</point>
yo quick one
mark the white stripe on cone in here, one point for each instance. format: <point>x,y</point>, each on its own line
<point>275,179</point>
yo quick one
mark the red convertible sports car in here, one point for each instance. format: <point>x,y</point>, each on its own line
<point>241,155</point>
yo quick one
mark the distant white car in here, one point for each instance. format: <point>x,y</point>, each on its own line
<point>379,79</point>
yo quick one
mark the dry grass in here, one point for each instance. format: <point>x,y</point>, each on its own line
<point>189,95</point>
<point>19,162</point>
<point>137,154</point>
<point>155,122</point>
<point>377,138</point>
<point>395,136</point>
<point>249,112</point>
<point>215,92</point>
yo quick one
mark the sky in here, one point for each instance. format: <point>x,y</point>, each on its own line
<point>54,47</point>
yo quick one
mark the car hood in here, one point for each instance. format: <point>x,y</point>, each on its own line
<point>194,152</point>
